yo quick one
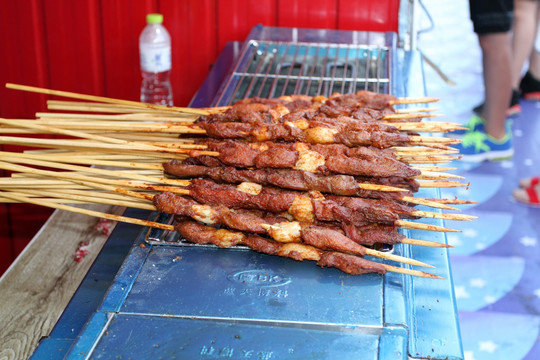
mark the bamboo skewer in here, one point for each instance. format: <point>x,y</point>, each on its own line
<point>411,272</point>
<point>413,100</point>
<point>91,170</point>
<point>96,146</point>
<point>86,211</point>
<point>412,109</point>
<point>78,177</point>
<point>64,175</point>
<point>50,204</point>
<point>151,125</point>
<point>170,227</point>
<point>114,186</point>
<point>95,197</point>
<point>157,167</point>
<point>424,243</point>
<point>103,99</point>
<point>80,199</point>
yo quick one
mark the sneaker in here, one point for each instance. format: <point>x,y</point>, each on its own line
<point>513,110</point>
<point>477,146</point>
<point>530,87</point>
<point>475,123</point>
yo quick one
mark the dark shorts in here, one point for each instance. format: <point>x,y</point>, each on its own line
<point>491,16</point>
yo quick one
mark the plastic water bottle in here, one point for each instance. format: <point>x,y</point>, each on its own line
<point>155,52</point>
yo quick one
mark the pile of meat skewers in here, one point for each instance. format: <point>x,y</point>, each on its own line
<point>308,178</point>
<point>288,179</point>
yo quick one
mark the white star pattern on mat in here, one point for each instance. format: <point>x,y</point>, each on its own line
<point>528,162</point>
<point>477,282</point>
<point>469,355</point>
<point>518,132</point>
<point>528,241</point>
<point>461,292</point>
<point>480,246</point>
<point>490,299</point>
<point>488,346</point>
<point>537,293</point>
<point>507,164</point>
<point>471,233</point>
<point>454,240</point>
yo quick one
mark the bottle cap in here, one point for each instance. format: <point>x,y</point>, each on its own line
<point>154,18</point>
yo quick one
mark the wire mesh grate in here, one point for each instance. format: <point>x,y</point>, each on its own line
<point>272,69</point>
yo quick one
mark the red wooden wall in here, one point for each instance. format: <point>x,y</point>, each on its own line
<point>91,46</point>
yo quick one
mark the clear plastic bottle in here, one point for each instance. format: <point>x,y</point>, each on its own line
<point>155,53</point>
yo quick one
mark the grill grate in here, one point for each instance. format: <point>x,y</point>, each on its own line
<point>271,69</point>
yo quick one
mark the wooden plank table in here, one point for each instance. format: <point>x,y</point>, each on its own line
<point>38,286</point>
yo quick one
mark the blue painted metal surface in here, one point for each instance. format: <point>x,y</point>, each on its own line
<point>198,302</point>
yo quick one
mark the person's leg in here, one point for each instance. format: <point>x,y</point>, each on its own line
<point>496,59</point>
<point>524,34</point>
<point>529,84</point>
<point>534,61</point>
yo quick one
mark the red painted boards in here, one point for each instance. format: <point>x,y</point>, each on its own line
<point>314,14</point>
<point>368,15</point>
<point>192,25</point>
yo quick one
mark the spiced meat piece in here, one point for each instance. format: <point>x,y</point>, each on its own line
<point>262,244</point>
<point>203,234</point>
<point>268,199</point>
<point>342,164</point>
<point>328,239</point>
<point>350,264</point>
<point>372,234</point>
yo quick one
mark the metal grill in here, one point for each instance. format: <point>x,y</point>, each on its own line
<point>271,69</point>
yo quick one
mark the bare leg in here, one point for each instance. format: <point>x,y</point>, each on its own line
<point>534,66</point>
<point>525,25</point>
<point>496,58</point>
<point>534,62</point>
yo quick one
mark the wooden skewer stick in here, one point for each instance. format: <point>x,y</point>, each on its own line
<point>427,126</point>
<point>433,140</point>
<point>96,146</point>
<point>397,258</point>
<point>86,161</point>
<point>412,110</point>
<point>98,214</point>
<point>435,215</point>
<point>71,177</point>
<point>102,99</point>
<point>271,230</point>
<point>442,184</point>
<point>421,226</point>
<point>434,168</point>
<point>131,117</point>
<point>424,243</point>
<point>400,116</point>
<point>50,204</point>
<point>430,175</point>
<point>412,100</point>
<point>49,129</point>
<point>66,198</point>
<point>427,202</point>
<point>124,108</point>
<point>411,272</point>
<point>8,157</point>
<point>454,201</point>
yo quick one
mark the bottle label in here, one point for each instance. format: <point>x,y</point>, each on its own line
<point>155,59</point>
